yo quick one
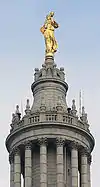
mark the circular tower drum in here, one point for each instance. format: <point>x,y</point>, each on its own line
<point>50,146</point>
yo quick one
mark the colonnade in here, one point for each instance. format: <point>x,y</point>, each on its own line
<point>15,165</point>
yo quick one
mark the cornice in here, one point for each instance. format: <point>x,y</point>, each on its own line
<point>49,125</point>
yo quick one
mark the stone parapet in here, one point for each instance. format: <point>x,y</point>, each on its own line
<point>50,116</point>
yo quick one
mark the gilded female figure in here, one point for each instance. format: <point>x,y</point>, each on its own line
<point>48,31</point>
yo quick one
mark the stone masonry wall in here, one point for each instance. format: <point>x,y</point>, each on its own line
<point>49,94</point>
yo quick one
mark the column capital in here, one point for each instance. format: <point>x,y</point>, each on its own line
<point>84,151</point>
<point>42,141</point>
<point>89,159</point>
<point>74,145</point>
<point>60,142</point>
<point>28,144</point>
<point>16,151</point>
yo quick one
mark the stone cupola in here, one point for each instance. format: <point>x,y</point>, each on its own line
<point>50,145</point>
<point>49,87</point>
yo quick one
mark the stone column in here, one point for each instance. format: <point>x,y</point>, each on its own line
<point>84,171</point>
<point>17,168</point>
<point>28,165</point>
<point>60,174</point>
<point>89,170</point>
<point>74,163</point>
<point>11,160</point>
<point>43,162</point>
<point>65,165</point>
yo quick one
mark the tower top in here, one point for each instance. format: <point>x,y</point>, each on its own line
<point>47,30</point>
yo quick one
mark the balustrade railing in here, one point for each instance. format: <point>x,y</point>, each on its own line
<point>34,119</point>
<point>51,117</point>
<point>66,119</point>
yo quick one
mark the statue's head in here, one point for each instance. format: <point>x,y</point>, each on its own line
<point>51,14</point>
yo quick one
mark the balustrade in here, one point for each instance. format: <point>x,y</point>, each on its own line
<point>66,119</point>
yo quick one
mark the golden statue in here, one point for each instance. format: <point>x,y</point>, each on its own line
<point>48,31</point>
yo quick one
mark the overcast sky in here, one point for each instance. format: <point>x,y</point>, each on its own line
<point>22,49</point>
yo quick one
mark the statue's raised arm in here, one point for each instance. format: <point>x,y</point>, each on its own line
<point>48,31</point>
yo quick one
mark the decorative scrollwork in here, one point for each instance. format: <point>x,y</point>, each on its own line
<point>16,151</point>
<point>28,144</point>
<point>60,141</point>
<point>89,159</point>
<point>42,141</point>
<point>84,151</point>
<point>74,145</point>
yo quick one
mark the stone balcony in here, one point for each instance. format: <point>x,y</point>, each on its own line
<point>48,117</point>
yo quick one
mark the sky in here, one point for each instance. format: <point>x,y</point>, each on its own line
<point>22,49</point>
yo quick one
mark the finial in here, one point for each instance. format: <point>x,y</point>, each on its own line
<point>84,115</point>
<point>28,105</point>
<point>62,74</point>
<point>13,118</point>
<point>27,110</point>
<point>17,113</point>
<point>83,110</point>
<point>73,105</point>
<point>74,111</point>
<point>80,102</point>
<point>36,74</point>
<point>17,109</point>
